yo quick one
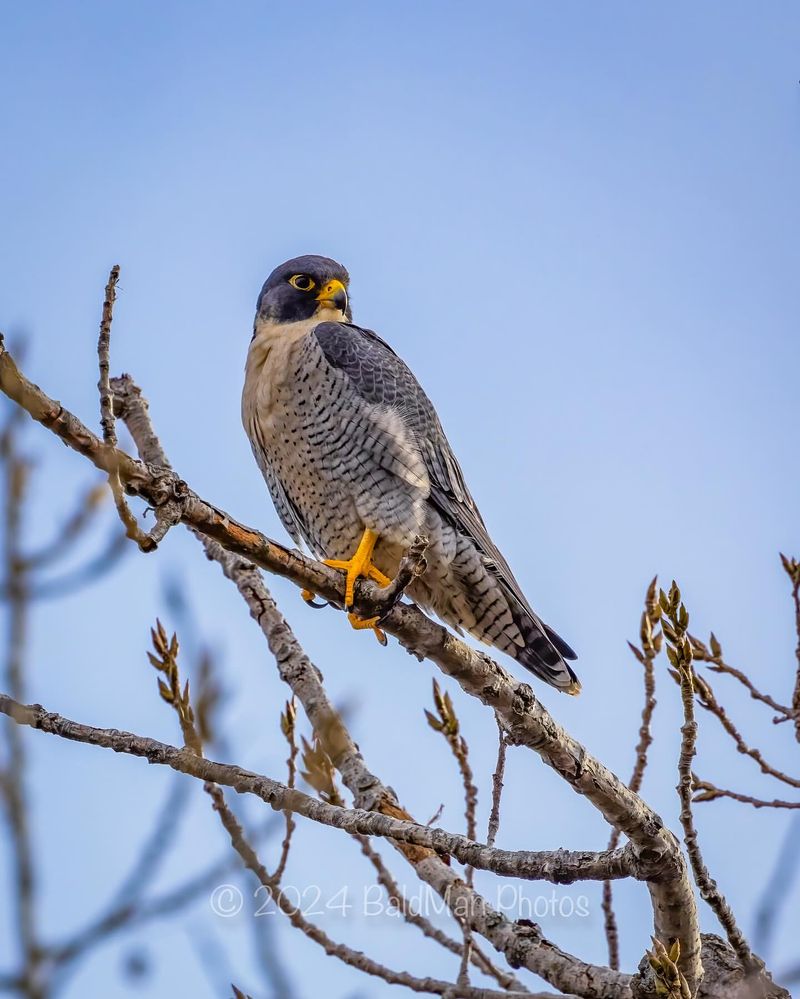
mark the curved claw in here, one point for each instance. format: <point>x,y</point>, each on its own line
<point>310,599</point>
<point>362,624</point>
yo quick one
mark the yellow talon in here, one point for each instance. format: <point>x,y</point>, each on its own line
<point>359,566</point>
<point>376,575</point>
<point>362,624</point>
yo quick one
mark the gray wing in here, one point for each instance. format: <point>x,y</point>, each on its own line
<point>380,376</point>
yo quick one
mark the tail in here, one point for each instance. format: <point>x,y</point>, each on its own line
<point>545,653</point>
<point>481,595</point>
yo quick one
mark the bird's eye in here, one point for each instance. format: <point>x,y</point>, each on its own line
<point>302,282</point>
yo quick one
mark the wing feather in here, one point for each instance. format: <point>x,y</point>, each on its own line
<point>380,376</point>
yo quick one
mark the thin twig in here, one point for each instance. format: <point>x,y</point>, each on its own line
<point>792,568</point>
<point>462,980</point>
<point>288,719</point>
<point>132,529</point>
<point>167,512</point>
<point>713,657</point>
<point>446,721</point>
<point>705,883</point>
<point>497,783</point>
<point>103,350</point>
<point>679,651</point>
<point>401,903</point>
<point>353,958</point>
<point>610,925</point>
<point>651,641</point>
<point>132,407</point>
<point>448,724</point>
<point>706,791</point>
<point>707,700</point>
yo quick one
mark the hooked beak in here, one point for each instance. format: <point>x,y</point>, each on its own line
<point>333,296</point>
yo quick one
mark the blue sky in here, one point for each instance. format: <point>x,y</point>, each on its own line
<point>577,223</point>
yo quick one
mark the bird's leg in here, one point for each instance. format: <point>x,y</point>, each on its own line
<point>359,566</point>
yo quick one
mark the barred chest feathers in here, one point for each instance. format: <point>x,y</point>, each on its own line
<point>282,377</point>
<point>334,462</point>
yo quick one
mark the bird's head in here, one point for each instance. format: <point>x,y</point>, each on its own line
<point>302,288</point>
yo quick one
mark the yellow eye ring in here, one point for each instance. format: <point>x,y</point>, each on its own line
<point>302,282</point>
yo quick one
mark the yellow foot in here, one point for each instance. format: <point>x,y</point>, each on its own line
<point>362,624</point>
<point>359,567</point>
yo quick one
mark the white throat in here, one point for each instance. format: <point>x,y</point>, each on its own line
<point>269,355</point>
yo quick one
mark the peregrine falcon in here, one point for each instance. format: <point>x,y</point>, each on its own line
<point>358,465</point>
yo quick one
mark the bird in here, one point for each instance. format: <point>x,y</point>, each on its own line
<point>358,466</point>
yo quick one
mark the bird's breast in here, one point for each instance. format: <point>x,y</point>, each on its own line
<point>270,368</point>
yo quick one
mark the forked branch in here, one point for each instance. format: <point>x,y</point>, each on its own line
<point>526,721</point>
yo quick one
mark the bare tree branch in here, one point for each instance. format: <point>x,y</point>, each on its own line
<point>524,718</point>
<point>557,866</point>
<point>167,654</point>
<point>399,901</point>
<point>369,792</point>
<point>353,958</point>
<point>304,680</point>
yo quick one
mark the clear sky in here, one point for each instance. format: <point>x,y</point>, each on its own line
<point>578,223</point>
